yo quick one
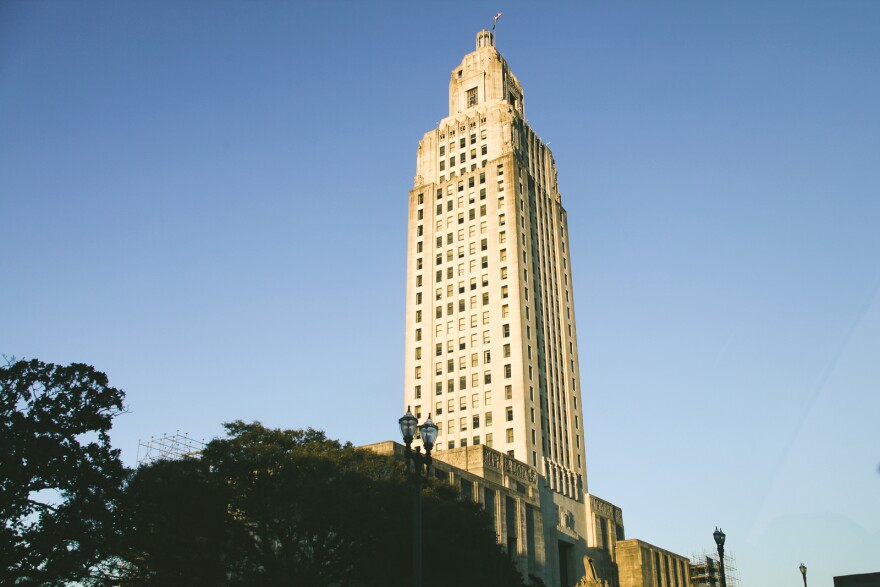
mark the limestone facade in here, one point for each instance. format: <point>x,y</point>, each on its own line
<point>641,564</point>
<point>491,338</point>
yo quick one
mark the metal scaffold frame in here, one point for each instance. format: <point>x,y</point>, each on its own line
<point>706,574</point>
<point>168,447</point>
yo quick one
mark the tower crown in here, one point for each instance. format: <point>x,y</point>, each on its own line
<point>484,76</point>
<point>485,39</point>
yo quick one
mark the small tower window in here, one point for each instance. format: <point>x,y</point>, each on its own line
<point>472,97</point>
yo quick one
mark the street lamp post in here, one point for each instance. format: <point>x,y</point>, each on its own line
<point>422,465</point>
<point>803,569</point>
<point>719,540</point>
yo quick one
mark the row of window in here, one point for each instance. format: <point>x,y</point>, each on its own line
<point>462,158</point>
<point>462,127</point>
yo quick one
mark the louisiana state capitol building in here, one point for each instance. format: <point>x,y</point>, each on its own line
<point>491,338</point>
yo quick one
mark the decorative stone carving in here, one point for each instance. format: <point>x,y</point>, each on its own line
<point>590,578</point>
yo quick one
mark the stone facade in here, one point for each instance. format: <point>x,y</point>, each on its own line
<point>491,340</point>
<point>644,565</point>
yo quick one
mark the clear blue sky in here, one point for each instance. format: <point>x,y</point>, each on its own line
<point>207,200</point>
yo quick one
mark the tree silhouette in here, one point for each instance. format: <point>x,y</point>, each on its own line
<point>59,477</point>
<point>292,507</point>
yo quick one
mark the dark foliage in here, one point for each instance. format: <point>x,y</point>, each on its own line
<point>59,477</point>
<point>291,507</point>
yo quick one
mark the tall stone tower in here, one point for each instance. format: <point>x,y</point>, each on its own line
<point>491,341</point>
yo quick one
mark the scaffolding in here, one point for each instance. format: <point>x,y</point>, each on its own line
<point>706,572</point>
<point>168,447</point>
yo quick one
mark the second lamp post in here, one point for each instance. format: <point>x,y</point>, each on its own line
<point>422,466</point>
<point>719,540</point>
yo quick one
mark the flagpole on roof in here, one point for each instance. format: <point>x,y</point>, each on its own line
<point>495,22</point>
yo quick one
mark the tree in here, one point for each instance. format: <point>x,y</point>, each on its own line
<point>292,507</point>
<point>59,477</point>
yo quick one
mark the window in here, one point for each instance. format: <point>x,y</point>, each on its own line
<point>507,372</point>
<point>508,392</point>
<point>475,400</point>
<point>483,150</point>
<point>485,317</point>
<point>418,392</point>
<point>418,298</point>
<point>505,311</point>
<point>502,237</point>
<point>486,338</point>
<point>506,350</point>
<point>489,440</point>
<point>463,425</point>
<point>503,291</point>
<point>418,372</point>
<point>505,330</point>
<point>487,377</point>
<point>471,100</point>
<point>418,281</point>
<point>504,273</point>
<point>418,334</point>
<point>488,419</point>
<point>462,403</point>
<point>510,435</point>
<point>483,210</point>
<point>450,407</point>
<point>418,353</point>
<point>487,398</point>
<point>483,245</point>
<point>509,414</point>
<point>484,262</point>
<point>442,150</point>
<point>485,298</point>
<point>475,421</point>
<point>438,368</point>
<point>487,357</point>
<point>418,315</point>
<point>418,264</point>
<point>462,382</point>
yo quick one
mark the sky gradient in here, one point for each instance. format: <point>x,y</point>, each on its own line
<point>208,201</point>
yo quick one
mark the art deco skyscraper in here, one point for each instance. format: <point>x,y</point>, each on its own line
<point>491,341</point>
